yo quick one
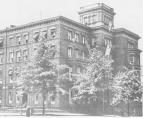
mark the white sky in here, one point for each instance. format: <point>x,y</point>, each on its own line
<point>129,13</point>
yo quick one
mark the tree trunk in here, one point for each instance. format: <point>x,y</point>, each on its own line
<point>43,103</point>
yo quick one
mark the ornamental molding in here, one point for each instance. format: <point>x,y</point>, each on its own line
<point>126,36</point>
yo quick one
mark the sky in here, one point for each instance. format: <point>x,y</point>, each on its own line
<point>129,13</point>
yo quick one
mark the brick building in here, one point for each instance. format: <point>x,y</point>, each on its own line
<point>70,39</point>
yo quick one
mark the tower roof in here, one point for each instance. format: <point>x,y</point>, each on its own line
<point>96,6</point>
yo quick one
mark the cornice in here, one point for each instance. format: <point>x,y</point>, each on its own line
<point>97,8</point>
<point>43,22</point>
<point>30,25</point>
<point>123,30</point>
<point>69,21</point>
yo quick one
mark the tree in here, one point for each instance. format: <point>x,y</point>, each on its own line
<point>42,73</point>
<point>96,77</point>
<point>126,87</point>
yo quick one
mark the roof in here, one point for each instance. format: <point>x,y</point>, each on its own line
<point>95,7</point>
<point>123,30</point>
<point>45,21</point>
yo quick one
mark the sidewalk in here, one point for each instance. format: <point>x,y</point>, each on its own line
<point>46,114</point>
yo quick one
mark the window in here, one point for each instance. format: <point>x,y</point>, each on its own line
<point>17,73</point>
<point>17,98</point>
<point>1,76</point>
<point>94,19</point>
<point>11,39</point>
<point>10,73</point>
<point>76,37</point>
<point>70,96</point>
<point>83,55</point>
<point>1,57</point>
<point>53,32</point>
<point>25,55</point>
<point>26,36</point>
<point>36,36</point>
<point>0,96</point>
<point>18,56</point>
<point>85,20</point>
<point>130,45</point>
<point>93,42</point>
<point>83,39</point>
<point>138,60</point>
<point>69,52</point>
<point>36,98</point>
<point>89,20</point>
<point>78,69</point>
<point>53,50</point>
<point>10,57</point>
<point>18,38</point>
<point>70,72</point>
<point>76,53</point>
<point>1,42</point>
<point>53,100</point>
<point>10,97</point>
<point>132,59</point>
<point>44,34</point>
<point>70,35</point>
<point>108,42</point>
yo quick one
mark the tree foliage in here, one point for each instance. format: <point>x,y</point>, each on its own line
<point>96,77</point>
<point>126,86</point>
<point>41,74</point>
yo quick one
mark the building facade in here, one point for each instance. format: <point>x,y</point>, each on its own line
<point>72,40</point>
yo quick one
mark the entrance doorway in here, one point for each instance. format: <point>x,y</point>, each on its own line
<point>24,98</point>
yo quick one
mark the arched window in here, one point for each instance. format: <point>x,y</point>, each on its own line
<point>69,52</point>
